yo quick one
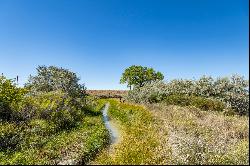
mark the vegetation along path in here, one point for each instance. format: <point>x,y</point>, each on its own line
<point>138,141</point>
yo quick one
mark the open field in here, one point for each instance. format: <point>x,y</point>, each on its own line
<point>165,134</point>
<point>201,137</point>
<point>108,93</point>
<point>178,122</point>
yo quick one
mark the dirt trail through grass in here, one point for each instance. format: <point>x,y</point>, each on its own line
<point>111,126</point>
<point>138,136</point>
<point>115,134</point>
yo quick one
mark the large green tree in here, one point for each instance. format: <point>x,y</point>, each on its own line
<point>54,78</point>
<point>139,76</point>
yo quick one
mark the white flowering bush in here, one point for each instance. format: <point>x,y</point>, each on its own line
<point>233,91</point>
<point>54,78</point>
<point>151,92</point>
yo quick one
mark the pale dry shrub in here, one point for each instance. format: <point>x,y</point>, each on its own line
<point>233,91</point>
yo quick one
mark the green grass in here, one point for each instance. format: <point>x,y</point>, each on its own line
<point>150,134</point>
<point>41,145</point>
<point>140,141</point>
<point>163,134</point>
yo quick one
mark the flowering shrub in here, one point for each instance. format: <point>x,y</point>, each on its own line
<point>233,91</point>
<point>151,92</point>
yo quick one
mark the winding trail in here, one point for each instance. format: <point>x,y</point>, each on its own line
<point>113,132</point>
<point>110,125</point>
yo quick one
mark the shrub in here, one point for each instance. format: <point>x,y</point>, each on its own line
<point>233,91</point>
<point>41,127</point>
<point>53,79</point>
<point>207,104</point>
<point>55,106</point>
<point>178,100</point>
<point>9,136</point>
<point>10,95</point>
<point>199,102</point>
<point>239,103</point>
<point>151,92</point>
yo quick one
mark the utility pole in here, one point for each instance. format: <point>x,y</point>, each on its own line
<point>17,79</point>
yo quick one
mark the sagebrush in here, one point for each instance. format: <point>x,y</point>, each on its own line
<point>232,91</point>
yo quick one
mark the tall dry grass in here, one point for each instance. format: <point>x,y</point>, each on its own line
<point>200,137</point>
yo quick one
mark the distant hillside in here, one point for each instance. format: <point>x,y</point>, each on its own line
<point>108,93</point>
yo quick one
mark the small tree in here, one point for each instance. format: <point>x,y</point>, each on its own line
<point>139,76</point>
<point>54,78</point>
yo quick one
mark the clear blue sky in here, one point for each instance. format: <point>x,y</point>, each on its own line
<point>98,39</point>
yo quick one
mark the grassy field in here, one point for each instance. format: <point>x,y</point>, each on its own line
<point>79,144</point>
<point>202,137</point>
<point>53,121</point>
<point>161,134</point>
<point>140,140</point>
<point>149,134</point>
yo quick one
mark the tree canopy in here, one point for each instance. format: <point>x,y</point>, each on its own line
<point>139,76</point>
<point>54,78</point>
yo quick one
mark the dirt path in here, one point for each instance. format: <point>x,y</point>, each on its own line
<point>115,135</point>
<point>114,132</point>
<point>111,126</point>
